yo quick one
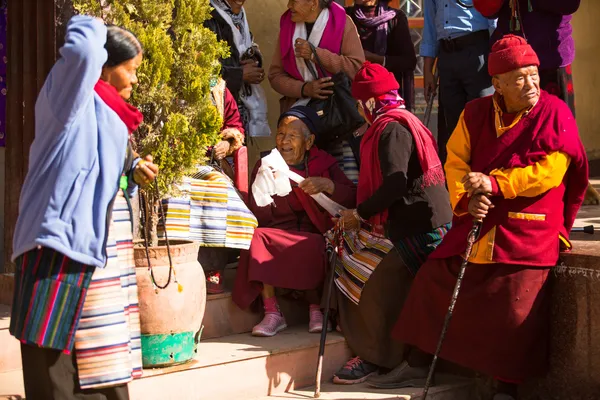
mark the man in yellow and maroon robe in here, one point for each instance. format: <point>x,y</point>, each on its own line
<point>516,160</point>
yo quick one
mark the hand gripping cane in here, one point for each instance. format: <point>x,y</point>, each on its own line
<point>471,239</point>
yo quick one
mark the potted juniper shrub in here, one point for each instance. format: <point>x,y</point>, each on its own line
<point>180,122</point>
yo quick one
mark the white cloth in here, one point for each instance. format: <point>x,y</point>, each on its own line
<point>256,103</point>
<point>315,37</point>
<point>273,179</point>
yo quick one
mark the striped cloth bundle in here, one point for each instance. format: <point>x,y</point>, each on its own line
<point>361,253</point>
<point>107,341</point>
<point>177,213</point>
<point>217,215</point>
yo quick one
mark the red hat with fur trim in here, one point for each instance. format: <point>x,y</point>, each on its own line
<point>510,53</point>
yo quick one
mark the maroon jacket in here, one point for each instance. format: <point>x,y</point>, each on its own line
<point>549,127</point>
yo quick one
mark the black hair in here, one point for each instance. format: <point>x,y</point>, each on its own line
<point>121,45</point>
<point>323,4</point>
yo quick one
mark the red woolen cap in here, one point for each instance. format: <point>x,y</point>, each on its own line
<point>373,80</point>
<point>510,53</point>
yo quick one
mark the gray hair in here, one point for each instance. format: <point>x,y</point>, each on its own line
<point>305,131</point>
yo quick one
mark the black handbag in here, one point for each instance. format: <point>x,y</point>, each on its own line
<point>339,112</point>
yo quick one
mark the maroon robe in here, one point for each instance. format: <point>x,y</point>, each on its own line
<point>288,248</point>
<point>500,322</point>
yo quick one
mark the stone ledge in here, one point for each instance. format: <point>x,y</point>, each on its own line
<point>575,330</point>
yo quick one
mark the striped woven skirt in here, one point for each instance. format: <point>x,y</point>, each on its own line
<point>346,160</point>
<point>61,304</point>
<point>414,250</point>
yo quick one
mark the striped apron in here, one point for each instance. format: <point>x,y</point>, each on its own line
<point>62,304</point>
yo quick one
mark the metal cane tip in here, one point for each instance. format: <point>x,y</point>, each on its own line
<point>317,395</point>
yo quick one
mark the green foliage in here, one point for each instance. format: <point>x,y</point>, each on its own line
<point>174,79</point>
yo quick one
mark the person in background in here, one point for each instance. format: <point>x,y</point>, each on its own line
<point>288,247</point>
<point>516,162</point>
<point>386,40</point>
<point>458,35</point>
<point>402,191</point>
<point>325,25</point>
<point>213,260</point>
<point>546,24</point>
<point>243,68</point>
<point>75,289</point>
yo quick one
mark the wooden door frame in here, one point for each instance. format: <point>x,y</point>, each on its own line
<point>34,33</point>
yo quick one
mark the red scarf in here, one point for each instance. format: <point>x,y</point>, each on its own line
<point>370,176</point>
<point>131,116</point>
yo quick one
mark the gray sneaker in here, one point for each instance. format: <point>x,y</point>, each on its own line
<point>400,377</point>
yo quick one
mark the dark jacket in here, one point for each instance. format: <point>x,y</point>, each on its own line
<point>412,209</point>
<point>231,68</point>
<point>401,58</point>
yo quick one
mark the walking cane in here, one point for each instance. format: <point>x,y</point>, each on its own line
<point>436,76</point>
<point>473,236</point>
<point>589,229</point>
<point>332,256</point>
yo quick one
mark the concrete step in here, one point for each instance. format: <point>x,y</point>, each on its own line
<point>222,318</point>
<point>448,388</point>
<point>232,367</point>
<point>10,352</point>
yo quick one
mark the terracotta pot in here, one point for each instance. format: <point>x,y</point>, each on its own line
<point>170,319</point>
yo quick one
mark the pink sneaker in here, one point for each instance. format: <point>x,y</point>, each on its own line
<point>315,324</point>
<point>271,325</point>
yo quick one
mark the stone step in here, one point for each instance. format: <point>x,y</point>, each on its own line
<point>222,318</point>
<point>448,388</point>
<point>232,367</point>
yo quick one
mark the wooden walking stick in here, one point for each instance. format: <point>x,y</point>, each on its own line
<point>436,76</point>
<point>332,253</point>
<point>471,239</point>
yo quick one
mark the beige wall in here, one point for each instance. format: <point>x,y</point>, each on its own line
<point>586,74</point>
<point>263,17</point>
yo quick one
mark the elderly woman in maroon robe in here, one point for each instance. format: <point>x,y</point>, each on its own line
<point>288,247</point>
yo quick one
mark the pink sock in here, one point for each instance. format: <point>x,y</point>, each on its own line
<point>314,307</point>
<point>271,305</point>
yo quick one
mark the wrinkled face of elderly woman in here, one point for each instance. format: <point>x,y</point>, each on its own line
<point>304,10</point>
<point>293,140</point>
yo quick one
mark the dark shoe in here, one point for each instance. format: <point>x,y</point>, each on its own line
<point>214,283</point>
<point>355,371</point>
<point>400,377</point>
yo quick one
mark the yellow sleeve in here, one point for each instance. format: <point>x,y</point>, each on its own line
<point>457,164</point>
<point>535,179</point>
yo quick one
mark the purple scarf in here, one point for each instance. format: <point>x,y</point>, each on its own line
<point>377,24</point>
<point>332,37</point>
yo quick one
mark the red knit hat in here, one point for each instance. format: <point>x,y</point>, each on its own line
<point>373,80</point>
<point>510,53</point>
